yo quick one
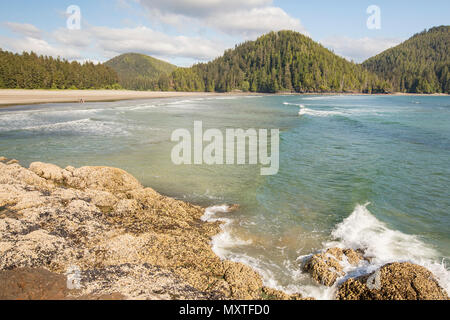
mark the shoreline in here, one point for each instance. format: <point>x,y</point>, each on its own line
<point>104,223</point>
<point>21,97</point>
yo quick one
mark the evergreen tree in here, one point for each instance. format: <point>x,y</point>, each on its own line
<point>30,71</point>
<point>278,61</point>
<point>419,65</point>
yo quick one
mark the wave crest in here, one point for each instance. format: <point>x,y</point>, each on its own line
<point>362,230</point>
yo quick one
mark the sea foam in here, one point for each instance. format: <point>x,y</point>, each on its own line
<point>362,230</point>
<point>83,126</point>
<point>318,113</point>
<point>224,240</point>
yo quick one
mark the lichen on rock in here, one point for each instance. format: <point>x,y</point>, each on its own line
<point>326,267</point>
<point>125,239</point>
<point>396,281</point>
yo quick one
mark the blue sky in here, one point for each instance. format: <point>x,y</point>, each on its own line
<point>188,31</point>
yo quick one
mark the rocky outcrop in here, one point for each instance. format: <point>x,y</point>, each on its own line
<point>32,284</point>
<point>100,230</point>
<point>326,267</point>
<point>40,284</point>
<point>396,281</point>
<point>101,226</point>
<point>13,161</point>
<point>272,294</point>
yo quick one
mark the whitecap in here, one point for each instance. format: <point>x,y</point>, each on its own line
<point>362,230</point>
<point>293,104</point>
<point>307,111</point>
<point>318,113</point>
<point>87,125</point>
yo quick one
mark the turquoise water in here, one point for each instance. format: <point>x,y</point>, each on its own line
<point>355,171</point>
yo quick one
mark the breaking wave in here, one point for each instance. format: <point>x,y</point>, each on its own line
<point>224,240</point>
<point>87,125</point>
<point>362,230</point>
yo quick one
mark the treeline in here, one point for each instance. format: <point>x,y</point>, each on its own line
<point>278,61</point>
<point>284,61</point>
<point>139,83</point>
<point>419,65</point>
<point>140,72</point>
<point>30,71</point>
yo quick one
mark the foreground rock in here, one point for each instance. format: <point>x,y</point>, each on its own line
<point>32,284</point>
<point>117,237</point>
<point>326,267</point>
<point>396,281</point>
<point>39,284</point>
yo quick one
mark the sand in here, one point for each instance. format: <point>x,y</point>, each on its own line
<point>11,97</point>
<point>23,97</point>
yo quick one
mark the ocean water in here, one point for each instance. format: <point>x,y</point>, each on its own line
<point>369,172</point>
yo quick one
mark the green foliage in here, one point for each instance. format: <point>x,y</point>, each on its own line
<point>278,61</point>
<point>245,86</point>
<point>141,72</point>
<point>419,65</point>
<point>30,71</point>
<point>187,80</point>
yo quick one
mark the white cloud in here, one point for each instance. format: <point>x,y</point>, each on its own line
<point>256,21</point>
<point>24,29</point>
<point>241,19</point>
<point>145,40</point>
<point>39,46</point>
<point>201,8</point>
<point>76,38</point>
<point>359,49</point>
<point>247,18</point>
<point>108,42</point>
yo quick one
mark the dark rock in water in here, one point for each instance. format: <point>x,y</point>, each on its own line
<point>327,266</point>
<point>396,281</point>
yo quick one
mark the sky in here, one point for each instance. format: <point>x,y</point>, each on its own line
<point>185,32</point>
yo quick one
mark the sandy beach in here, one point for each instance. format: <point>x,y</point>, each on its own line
<point>11,97</point>
<point>22,97</point>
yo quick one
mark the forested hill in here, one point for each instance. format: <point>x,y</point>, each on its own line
<point>419,65</point>
<point>278,61</point>
<point>29,71</point>
<point>140,72</point>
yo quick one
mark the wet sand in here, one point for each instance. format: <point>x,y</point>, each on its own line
<point>10,97</point>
